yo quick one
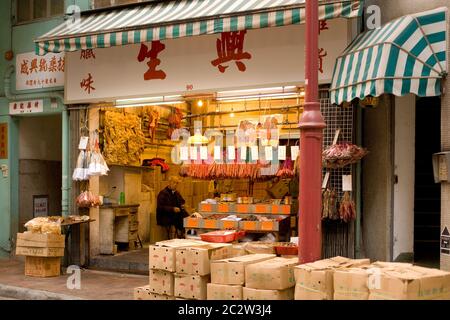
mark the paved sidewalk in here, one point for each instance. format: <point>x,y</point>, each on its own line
<point>95,285</point>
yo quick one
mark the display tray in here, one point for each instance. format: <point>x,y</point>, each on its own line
<point>245,208</point>
<point>198,223</point>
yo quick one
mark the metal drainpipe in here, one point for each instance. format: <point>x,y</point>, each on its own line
<point>65,132</point>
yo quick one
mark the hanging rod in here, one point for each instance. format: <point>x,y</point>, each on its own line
<point>215,113</point>
<point>235,126</point>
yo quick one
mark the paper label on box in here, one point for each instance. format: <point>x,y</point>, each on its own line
<point>243,153</point>
<point>217,153</point>
<point>83,143</point>
<point>269,153</point>
<point>347,183</point>
<point>255,153</point>
<point>184,154</point>
<point>294,152</point>
<point>281,152</point>
<point>231,153</point>
<point>204,152</point>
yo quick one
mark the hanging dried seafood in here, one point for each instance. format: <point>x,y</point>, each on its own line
<point>347,211</point>
<point>124,139</point>
<point>341,155</point>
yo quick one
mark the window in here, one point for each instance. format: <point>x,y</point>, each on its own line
<point>29,10</point>
<point>96,4</point>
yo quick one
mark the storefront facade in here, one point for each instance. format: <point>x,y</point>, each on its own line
<point>405,214</point>
<point>35,120</point>
<point>142,63</point>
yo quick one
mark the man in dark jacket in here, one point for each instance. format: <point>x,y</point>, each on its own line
<point>170,209</point>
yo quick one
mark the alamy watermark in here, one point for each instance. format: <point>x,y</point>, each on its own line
<point>74,280</point>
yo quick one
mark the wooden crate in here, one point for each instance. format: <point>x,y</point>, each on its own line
<point>40,240</point>
<point>42,266</point>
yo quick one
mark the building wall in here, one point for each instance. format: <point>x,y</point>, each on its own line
<point>394,9</point>
<point>377,186</point>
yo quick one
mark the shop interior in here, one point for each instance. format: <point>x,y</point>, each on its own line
<point>145,141</point>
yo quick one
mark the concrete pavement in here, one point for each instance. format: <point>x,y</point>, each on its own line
<point>94,285</point>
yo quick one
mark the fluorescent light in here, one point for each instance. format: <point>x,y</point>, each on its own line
<point>147,100</point>
<point>258,97</point>
<point>157,103</point>
<point>131,100</point>
<point>285,89</point>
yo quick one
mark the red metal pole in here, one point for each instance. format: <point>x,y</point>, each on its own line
<point>311,136</point>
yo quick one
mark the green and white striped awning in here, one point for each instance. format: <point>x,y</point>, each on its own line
<point>407,55</point>
<point>182,18</point>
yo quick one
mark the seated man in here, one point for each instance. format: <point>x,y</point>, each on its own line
<point>170,209</point>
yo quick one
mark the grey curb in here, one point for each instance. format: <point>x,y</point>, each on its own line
<point>32,294</point>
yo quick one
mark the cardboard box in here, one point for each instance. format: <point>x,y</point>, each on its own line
<point>42,266</point>
<point>259,247</point>
<point>314,281</point>
<point>144,293</point>
<point>40,240</point>
<point>191,287</point>
<point>197,260</point>
<point>224,292</point>
<point>161,282</point>
<point>258,294</point>
<point>162,255</point>
<point>273,274</point>
<point>238,250</point>
<point>410,283</point>
<point>232,270</point>
<point>351,284</point>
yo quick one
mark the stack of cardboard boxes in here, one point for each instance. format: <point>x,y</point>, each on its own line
<point>391,281</point>
<point>228,276</point>
<point>179,269</point>
<point>345,279</point>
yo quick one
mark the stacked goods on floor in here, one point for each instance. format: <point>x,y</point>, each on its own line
<point>193,268</point>
<point>314,281</point>
<point>43,246</point>
<point>228,276</point>
<point>270,280</point>
<point>346,279</point>
<point>391,281</point>
<point>180,268</point>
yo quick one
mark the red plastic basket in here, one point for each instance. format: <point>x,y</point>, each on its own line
<point>221,236</point>
<point>286,250</point>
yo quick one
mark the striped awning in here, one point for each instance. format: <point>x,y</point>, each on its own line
<point>182,18</point>
<point>407,55</point>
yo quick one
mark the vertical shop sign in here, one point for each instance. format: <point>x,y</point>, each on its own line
<point>36,72</point>
<point>3,141</point>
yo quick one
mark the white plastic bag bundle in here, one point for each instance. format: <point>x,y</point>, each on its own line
<point>78,173</point>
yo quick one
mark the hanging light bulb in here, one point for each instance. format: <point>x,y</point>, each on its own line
<point>232,113</point>
<point>200,103</point>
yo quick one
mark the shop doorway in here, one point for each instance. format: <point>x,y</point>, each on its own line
<point>427,193</point>
<point>40,160</point>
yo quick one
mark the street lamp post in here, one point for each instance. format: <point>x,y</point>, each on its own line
<point>311,136</point>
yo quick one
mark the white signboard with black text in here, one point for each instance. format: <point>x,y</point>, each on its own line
<point>262,57</point>
<point>37,72</point>
<point>28,106</point>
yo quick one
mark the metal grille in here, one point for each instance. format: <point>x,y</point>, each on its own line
<point>337,235</point>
